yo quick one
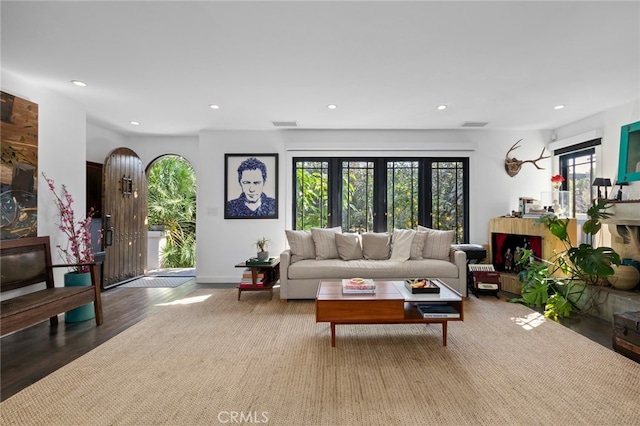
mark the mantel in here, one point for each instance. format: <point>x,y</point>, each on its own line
<point>626,212</point>
<point>621,222</point>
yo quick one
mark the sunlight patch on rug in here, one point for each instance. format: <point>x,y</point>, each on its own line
<point>531,321</point>
<point>186,301</point>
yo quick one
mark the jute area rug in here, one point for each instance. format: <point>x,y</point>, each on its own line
<point>210,359</point>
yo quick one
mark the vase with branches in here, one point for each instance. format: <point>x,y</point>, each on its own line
<point>78,252</point>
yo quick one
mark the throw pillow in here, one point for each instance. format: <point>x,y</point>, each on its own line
<point>438,243</point>
<point>301,244</point>
<point>324,240</point>
<point>417,246</point>
<point>401,242</point>
<point>375,245</point>
<point>348,246</point>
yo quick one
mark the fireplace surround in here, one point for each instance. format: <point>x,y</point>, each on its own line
<point>508,232</point>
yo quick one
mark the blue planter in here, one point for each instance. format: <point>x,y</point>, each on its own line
<point>84,312</point>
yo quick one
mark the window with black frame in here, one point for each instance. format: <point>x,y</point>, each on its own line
<point>380,194</point>
<point>310,186</point>
<point>578,167</point>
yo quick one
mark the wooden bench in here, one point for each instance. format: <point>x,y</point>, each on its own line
<point>25,263</point>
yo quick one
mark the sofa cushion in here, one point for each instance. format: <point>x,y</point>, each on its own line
<point>438,243</point>
<point>376,245</point>
<point>417,246</point>
<point>324,240</point>
<point>378,269</point>
<point>348,246</point>
<point>401,242</point>
<point>301,244</point>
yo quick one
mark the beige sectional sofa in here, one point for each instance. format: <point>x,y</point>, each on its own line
<point>318,255</point>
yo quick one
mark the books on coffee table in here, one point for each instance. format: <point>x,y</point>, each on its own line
<point>437,310</point>
<point>358,286</point>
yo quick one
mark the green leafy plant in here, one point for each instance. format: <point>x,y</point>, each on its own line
<point>262,243</point>
<point>558,284</point>
<point>172,203</point>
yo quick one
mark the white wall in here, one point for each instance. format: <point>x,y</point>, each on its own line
<point>100,142</point>
<point>61,154</point>
<point>66,141</point>
<point>223,243</point>
<point>149,148</point>
<point>607,124</point>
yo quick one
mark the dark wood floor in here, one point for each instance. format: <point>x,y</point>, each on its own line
<point>31,354</point>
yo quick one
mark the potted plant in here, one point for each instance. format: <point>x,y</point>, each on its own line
<point>78,253</point>
<point>572,279</point>
<point>261,245</point>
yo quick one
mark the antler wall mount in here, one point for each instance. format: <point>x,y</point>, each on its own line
<point>512,165</point>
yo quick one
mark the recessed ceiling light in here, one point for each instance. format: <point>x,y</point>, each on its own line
<point>558,107</point>
<point>79,83</point>
<point>214,106</point>
<point>135,123</point>
<point>441,107</point>
<point>332,106</point>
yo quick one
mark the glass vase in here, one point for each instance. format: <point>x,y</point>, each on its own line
<point>556,200</point>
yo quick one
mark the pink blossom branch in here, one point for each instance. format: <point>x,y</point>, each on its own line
<point>79,248</point>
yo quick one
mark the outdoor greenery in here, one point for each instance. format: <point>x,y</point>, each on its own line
<point>402,195</point>
<point>357,196</point>
<point>172,203</point>
<point>447,197</point>
<point>359,204</point>
<point>312,195</point>
<point>570,281</point>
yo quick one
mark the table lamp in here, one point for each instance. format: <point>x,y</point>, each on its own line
<point>602,182</point>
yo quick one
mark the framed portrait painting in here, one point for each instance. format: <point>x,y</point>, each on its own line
<point>251,186</point>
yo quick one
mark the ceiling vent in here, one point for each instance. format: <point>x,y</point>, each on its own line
<point>474,124</point>
<point>285,123</point>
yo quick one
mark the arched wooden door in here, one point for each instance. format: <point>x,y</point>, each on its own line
<point>124,207</point>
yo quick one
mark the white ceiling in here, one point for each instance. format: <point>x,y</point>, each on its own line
<point>386,65</point>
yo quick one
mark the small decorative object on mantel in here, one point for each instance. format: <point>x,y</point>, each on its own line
<point>620,184</point>
<point>512,165</point>
<point>261,245</point>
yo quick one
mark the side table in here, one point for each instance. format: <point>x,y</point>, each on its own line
<point>271,276</point>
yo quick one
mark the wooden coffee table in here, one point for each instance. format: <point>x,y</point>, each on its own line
<point>391,304</point>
